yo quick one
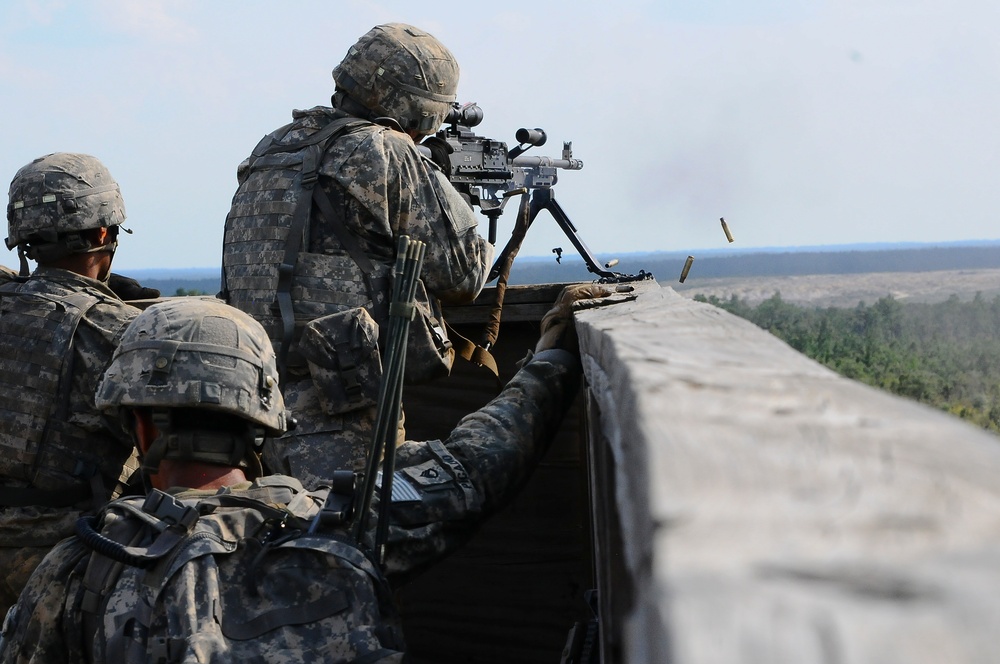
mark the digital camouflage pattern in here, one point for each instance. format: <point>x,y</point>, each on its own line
<point>321,443</point>
<point>52,436</point>
<point>384,188</point>
<point>486,459</point>
<point>28,534</point>
<point>61,193</point>
<point>342,354</point>
<point>335,397</point>
<point>401,72</point>
<point>446,489</point>
<point>247,584</point>
<point>198,353</point>
<point>391,190</point>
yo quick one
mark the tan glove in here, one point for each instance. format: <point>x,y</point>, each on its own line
<point>557,329</point>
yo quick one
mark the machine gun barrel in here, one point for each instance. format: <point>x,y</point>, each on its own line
<point>547,162</point>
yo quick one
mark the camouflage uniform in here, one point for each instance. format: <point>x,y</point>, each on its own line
<point>86,441</point>
<point>58,329</point>
<point>397,81</point>
<point>447,488</point>
<point>390,190</point>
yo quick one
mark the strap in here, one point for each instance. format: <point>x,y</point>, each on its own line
<point>286,270</point>
<point>331,602</point>
<point>170,348</point>
<point>467,350</point>
<point>501,270</point>
<point>335,127</point>
<point>376,285</point>
<point>100,577</point>
<point>314,147</point>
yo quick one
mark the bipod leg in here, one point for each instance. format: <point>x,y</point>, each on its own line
<point>544,199</point>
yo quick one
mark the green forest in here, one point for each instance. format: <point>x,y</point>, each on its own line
<point>945,354</point>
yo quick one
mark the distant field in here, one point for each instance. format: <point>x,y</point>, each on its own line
<point>923,273</point>
<point>846,290</point>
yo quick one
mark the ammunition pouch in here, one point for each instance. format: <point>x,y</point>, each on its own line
<point>342,353</point>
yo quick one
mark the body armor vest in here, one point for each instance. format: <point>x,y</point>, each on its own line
<point>266,253</point>
<point>39,448</point>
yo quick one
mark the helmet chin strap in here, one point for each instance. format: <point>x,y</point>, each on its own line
<point>24,270</point>
<point>67,245</point>
<point>228,449</point>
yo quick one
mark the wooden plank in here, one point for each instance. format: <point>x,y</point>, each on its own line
<point>521,303</point>
<point>773,511</point>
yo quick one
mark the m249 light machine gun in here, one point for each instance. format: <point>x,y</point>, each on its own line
<point>490,175</point>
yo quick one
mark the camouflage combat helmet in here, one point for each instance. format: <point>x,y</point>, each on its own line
<point>57,196</point>
<point>195,353</point>
<point>401,72</point>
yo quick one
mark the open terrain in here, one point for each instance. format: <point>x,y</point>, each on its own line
<point>816,276</point>
<point>846,290</point>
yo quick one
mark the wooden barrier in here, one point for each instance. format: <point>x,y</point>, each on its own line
<point>750,505</point>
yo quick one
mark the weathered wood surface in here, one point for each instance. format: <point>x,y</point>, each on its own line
<point>772,511</point>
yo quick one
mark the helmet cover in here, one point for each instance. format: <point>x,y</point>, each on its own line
<point>61,193</point>
<point>192,352</point>
<point>401,72</point>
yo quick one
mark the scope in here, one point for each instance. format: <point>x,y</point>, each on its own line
<point>468,115</point>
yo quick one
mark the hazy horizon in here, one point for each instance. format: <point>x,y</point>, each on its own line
<point>570,257</point>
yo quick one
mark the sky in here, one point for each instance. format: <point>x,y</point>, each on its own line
<point>802,122</point>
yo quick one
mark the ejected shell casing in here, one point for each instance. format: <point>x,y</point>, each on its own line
<point>687,268</point>
<point>725,229</point>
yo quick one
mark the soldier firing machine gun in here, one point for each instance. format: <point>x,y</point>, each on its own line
<point>489,174</point>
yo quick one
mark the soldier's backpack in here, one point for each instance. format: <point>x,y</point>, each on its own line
<point>269,273</point>
<point>232,576</point>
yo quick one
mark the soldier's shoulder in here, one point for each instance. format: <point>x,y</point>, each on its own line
<point>374,144</point>
<point>315,115</point>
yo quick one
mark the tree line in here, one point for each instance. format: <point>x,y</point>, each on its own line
<point>944,354</point>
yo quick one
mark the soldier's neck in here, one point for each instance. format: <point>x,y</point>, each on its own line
<point>195,475</point>
<point>95,266</point>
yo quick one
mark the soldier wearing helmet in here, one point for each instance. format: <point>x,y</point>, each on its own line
<point>218,564</point>
<point>315,221</point>
<point>59,457</point>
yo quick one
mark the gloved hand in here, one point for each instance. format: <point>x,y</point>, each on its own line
<point>557,329</point>
<point>129,289</point>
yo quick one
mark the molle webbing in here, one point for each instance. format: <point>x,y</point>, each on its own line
<point>268,271</point>
<point>39,448</point>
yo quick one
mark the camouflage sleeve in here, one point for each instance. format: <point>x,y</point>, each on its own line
<point>459,277</point>
<point>36,629</point>
<point>406,192</point>
<point>483,463</point>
